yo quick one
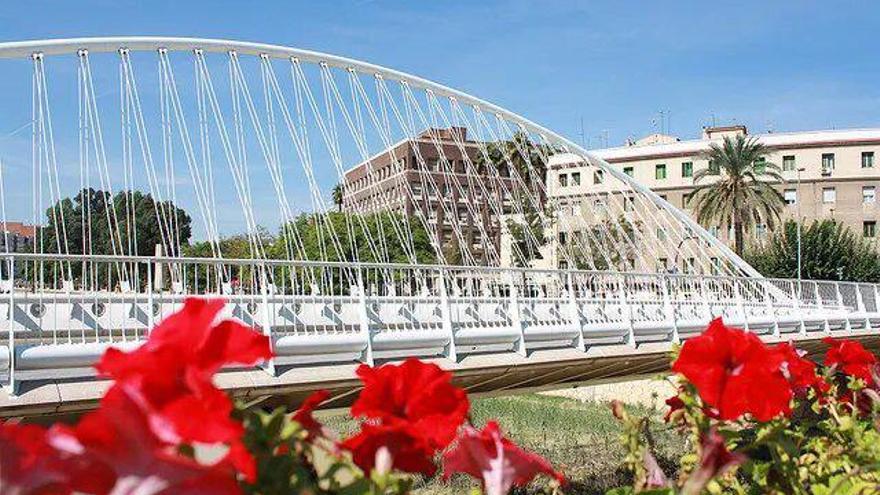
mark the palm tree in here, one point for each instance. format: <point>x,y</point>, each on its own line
<point>743,192</point>
<point>337,196</point>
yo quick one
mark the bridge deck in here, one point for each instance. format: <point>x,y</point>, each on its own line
<point>479,374</point>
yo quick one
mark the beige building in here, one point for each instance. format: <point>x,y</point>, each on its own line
<point>828,174</point>
<point>439,175</point>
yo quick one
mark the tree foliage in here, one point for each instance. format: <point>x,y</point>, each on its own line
<point>742,192</point>
<point>829,251</point>
<point>89,216</point>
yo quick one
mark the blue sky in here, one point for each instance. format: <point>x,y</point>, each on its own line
<point>788,65</point>
<point>771,65</point>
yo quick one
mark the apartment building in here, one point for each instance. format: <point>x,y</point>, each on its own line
<point>827,174</point>
<point>440,174</point>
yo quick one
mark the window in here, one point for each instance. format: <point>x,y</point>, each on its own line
<point>628,171</point>
<point>788,164</point>
<point>714,168</point>
<point>760,230</point>
<point>660,171</point>
<point>689,265</point>
<point>829,195</point>
<point>562,238</point>
<point>686,199</point>
<point>598,176</point>
<point>576,178</point>
<point>827,163</point>
<point>716,265</point>
<point>790,196</point>
<point>563,180</point>
<point>662,264</point>
<point>869,228</point>
<point>632,263</point>
<point>687,169</point>
<point>661,233</point>
<point>869,195</point>
<point>628,203</point>
<point>715,230</point>
<point>867,159</point>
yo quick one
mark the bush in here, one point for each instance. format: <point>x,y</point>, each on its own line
<point>762,419</point>
<point>829,251</point>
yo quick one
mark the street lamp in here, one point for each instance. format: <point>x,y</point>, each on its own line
<point>798,204</point>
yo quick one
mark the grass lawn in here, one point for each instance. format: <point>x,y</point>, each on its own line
<point>580,439</point>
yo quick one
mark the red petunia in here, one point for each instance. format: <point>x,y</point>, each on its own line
<point>116,440</point>
<point>417,393</point>
<point>850,357</point>
<point>675,404</point>
<point>800,372</point>
<point>408,450</point>
<point>304,417</point>
<point>28,464</point>
<point>169,376</point>
<point>735,373</point>
<point>715,460</point>
<point>494,460</point>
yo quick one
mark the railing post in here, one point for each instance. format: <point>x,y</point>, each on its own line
<point>268,316</point>
<point>860,305</point>
<point>741,305</point>
<point>842,307</point>
<point>627,313</point>
<point>13,386</point>
<point>768,295</point>
<point>446,316</point>
<point>705,300</point>
<point>150,313</point>
<point>670,310</point>
<point>516,320</point>
<point>821,306</point>
<point>796,297</point>
<point>575,314</point>
<point>367,355</point>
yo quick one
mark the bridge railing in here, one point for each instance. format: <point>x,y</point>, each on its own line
<point>61,312</point>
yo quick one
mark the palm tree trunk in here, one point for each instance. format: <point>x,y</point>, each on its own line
<point>738,234</point>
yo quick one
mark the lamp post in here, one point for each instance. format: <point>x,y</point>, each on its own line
<point>798,204</point>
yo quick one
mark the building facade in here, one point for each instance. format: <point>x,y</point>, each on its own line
<point>17,237</point>
<point>440,177</point>
<point>827,174</point>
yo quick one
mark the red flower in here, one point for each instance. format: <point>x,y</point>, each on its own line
<point>496,461</point>
<point>304,417</point>
<point>417,393</point>
<point>116,439</point>
<point>850,357</point>
<point>675,404</point>
<point>800,372</point>
<point>407,449</point>
<point>27,463</point>
<point>735,373</point>
<point>715,460</point>
<point>169,376</point>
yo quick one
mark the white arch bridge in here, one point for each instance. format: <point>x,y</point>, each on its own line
<point>452,241</point>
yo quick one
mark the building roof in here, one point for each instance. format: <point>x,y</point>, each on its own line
<point>20,228</point>
<point>781,140</point>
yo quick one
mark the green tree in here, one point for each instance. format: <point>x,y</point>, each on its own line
<point>525,231</point>
<point>314,233</point>
<point>525,156</point>
<point>829,251</point>
<point>741,192</point>
<point>337,196</point>
<point>87,216</point>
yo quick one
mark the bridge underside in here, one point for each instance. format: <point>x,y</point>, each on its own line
<point>479,374</point>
